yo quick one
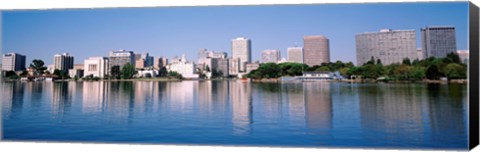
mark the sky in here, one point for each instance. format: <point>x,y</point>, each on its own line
<point>173,31</point>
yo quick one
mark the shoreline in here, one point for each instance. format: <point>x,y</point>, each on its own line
<point>278,80</point>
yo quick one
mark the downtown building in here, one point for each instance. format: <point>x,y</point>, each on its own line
<point>183,67</point>
<point>143,60</point>
<point>96,67</point>
<point>214,60</point>
<point>438,41</point>
<point>160,62</point>
<point>295,54</point>
<point>271,56</point>
<point>242,50</point>
<point>13,62</point>
<point>390,46</point>
<point>316,50</point>
<point>120,58</point>
<point>63,62</point>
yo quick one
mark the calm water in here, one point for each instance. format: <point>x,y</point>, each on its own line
<point>309,114</point>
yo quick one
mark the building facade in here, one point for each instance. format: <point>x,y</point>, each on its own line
<point>252,66</point>
<point>272,56</point>
<point>96,67</point>
<point>233,66</point>
<point>160,62</point>
<point>438,41</point>
<point>13,62</point>
<point>183,67</point>
<point>295,54</point>
<point>242,49</point>
<point>390,46</point>
<point>120,58</point>
<point>316,50</point>
<point>63,62</point>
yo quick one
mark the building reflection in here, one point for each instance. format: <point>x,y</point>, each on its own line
<point>95,95</point>
<point>205,94</point>
<point>241,101</point>
<point>181,95</point>
<point>296,103</point>
<point>447,110</point>
<point>271,100</point>
<point>12,98</point>
<point>318,109</point>
<point>61,98</point>
<point>392,111</point>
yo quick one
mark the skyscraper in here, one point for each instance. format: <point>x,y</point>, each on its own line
<point>160,62</point>
<point>295,54</point>
<point>316,50</point>
<point>390,46</point>
<point>63,62</point>
<point>13,62</point>
<point>272,56</point>
<point>438,41</point>
<point>242,49</point>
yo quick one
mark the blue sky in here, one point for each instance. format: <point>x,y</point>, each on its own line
<point>170,31</point>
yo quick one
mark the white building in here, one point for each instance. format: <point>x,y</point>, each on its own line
<point>272,56</point>
<point>183,67</point>
<point>96,66</point>
<point>464,56</point>
<point>13,62</point>
<point>242,49</point>
<point>295,54</point>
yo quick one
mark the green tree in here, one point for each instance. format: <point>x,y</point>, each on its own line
<point>38,66</point>
<point>433,73</point>
<point>406,61</point>
<point>173,74</point>
<point>455,70</point>
<point>11,75</point>
<point>115,72</point>
<point>453,57</point>
<point>163,72</point>
<point>128,71</point>
<point>418,72</point>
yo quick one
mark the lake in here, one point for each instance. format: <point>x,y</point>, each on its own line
<point>229,112</point>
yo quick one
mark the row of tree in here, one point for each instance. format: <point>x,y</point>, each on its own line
<point>430,68</point>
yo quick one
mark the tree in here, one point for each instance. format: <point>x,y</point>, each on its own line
<point>453,57</point>
<point>115,72</point>
<point>379,61</point>
<point>418,72</point>
<point>173,74</point>
<point>128,71</point>
<point>406,61</point>
<point>38,66</point>
<point>455,70</point>
<point>11,75</point>
<point>433,73</point>
<point>163,72</point>
<point>402,72</point>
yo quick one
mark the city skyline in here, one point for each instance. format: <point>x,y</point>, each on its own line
<point>136,29</point>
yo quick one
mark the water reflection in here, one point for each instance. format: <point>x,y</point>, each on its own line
<point>308,113</point>
<point>241,98</point>
<point>318,106</point>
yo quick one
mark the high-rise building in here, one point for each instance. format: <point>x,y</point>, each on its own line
<point>242,49</point>
<point>390,46</point>
<point>438,41</point>
<point>160,62</point>
<point>96,67</point>
<point>420,54</point>
<point>272,56</point>
<point>13,62</point>
<point>120,58</point>
<point>316,50</point>
<point>203,54</point>
<point>143,60</point>
<point>223,66</point>
<point>63,62</point>
<point>295,54</point>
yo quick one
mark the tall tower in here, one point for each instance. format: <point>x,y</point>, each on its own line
<point>242,49</point>
<point>438,41</point>
<point>316,50</point>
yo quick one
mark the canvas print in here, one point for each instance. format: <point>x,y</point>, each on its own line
<point>372,75</point>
